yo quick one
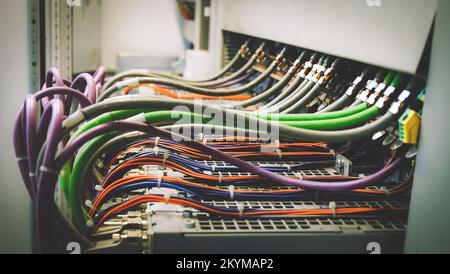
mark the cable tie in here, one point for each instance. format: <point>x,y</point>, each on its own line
<point>139,118</point>
<point>333,208</point>
<point>386,190</point>
<point>48,170</point>
<point>299,176</point>
<point>279,154</point>
<point>160,177</point>
<point>201,136</point>
<point>74,119</point>
<point>205,141</point>
<point>156,150</point>
<point>166,198</point>
<point>22,159</point>
<point>213,168</point>
<point>32,174</point>
<point>231,189</point>
<point>166,156</point>
<point>240,208</point>
<point>220,177</point>
<point>157,139</point>
<point>128,83</point>
<point>88,203</point>
<point>89,223</point>
<point>98,188</point>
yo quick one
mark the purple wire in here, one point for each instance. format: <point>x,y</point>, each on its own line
<point>245,166</point>
<point>56,107</point>
<point>46,117</point>
<point>45,205</point>
<point>21,156</point>
<point>31,141</point>
<point>70,92</point>
<point>99,78</point>
<point>52,76</point>
<point>87,136</point>
<point>90,91</point>
<point>100,75</point>
<point>24,139</point>
<point>305,184</point>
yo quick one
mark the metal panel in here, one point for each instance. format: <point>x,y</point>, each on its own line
<point>429,223</point>
<point>391,35</point>
<point>59,34</point>
<point>35,34</point>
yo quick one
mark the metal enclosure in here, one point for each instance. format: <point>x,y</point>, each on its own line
<point>429,223</point>
<point>372,41</point>
<point>391,35</point>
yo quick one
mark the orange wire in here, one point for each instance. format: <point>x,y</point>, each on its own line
<point>169,93</point>
<point>151,198</point>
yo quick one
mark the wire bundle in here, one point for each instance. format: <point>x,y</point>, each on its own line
<point>65,132</point>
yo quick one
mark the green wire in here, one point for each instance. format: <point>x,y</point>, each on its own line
<point>79,171</point>
<point>313,116</point>
<point>397,80</point>
<point>64,179</point>
<point>326,121</point>
<point>338,123</point>
<point>389,77</point>
<point>80,167</point>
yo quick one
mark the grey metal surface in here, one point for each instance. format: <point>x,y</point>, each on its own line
<point>34,43</point>
<point>59,43</point>
<point>391,35</point>
<point>172,233</point>
<point>351,242</point>
<point>429,221</point>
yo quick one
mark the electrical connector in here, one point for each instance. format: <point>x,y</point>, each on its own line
<point>409,127</point>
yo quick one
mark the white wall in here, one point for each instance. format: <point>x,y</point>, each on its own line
<point>139,26</point>
<point>15,208</point>
<point>87,35</point>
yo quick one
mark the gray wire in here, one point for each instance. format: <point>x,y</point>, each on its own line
<point>298,105</point>
<point>339,104</point>
<point>214,92</point>
<point>356,103</point>
<point>136,73</point>
<point>266,94</point>
<point>296,133</point>
<point>295,97</point>
<point>286,92</point>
